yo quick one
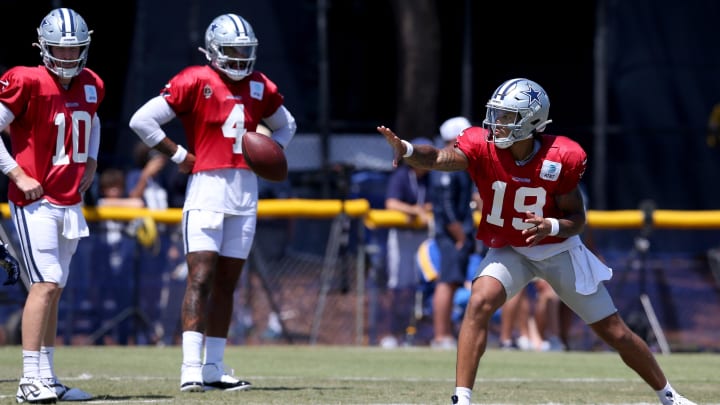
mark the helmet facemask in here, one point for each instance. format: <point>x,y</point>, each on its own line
<point>63,28</point>
<point>235,61</point>
<point>521,107</point>
<point>64,68</point>
<point>231,46</point>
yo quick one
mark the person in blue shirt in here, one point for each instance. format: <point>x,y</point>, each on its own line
<point>451,197</point>
<point>407,192</point>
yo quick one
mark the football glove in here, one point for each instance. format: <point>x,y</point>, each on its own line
<point>10,264</point>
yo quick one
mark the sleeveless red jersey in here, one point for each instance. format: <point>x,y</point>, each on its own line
<point>50,134</point>
<point>509,190</point>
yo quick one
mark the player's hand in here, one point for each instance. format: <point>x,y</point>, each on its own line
<point>88,176</point>
<point>395,142</point>
<point>187,165</point>
<point>539,229</point>
<point>31,188</point>
<point>10,264</point>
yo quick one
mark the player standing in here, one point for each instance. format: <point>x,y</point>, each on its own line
<point>51,114</point>
<point>217,104</point>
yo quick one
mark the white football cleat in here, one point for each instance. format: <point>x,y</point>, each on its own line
<point>215,378</point>
<point>677,399</point>
<point>35,391</point>
<point>191,379</point>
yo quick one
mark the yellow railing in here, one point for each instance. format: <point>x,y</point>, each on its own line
<point>305,208</point>
<point>378,218</point>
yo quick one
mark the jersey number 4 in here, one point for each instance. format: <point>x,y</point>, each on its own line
<point>234,127</point>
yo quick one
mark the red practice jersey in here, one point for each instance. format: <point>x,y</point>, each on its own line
<point>50,134</point>
<point>508,190</point>
<point>216,113</point>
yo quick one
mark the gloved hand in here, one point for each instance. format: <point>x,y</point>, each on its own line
<point>10,264</point>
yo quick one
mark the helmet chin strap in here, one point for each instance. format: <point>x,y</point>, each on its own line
<point>234,77</point>
<point>504,143</point>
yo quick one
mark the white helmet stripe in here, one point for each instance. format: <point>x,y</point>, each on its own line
<point>68,22</point>
<point>240,28</point>
<point>502,91</point>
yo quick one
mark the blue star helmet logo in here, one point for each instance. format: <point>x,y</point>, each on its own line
<point>534,96</point>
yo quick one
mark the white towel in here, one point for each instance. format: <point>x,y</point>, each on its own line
<point>589,270</point>
<point>74,224</point>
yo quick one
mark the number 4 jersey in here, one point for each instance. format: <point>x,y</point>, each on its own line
<point>216,112</point>
<point>508,190</point>
<point>50,133</point>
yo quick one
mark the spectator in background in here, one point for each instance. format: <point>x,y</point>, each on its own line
<point>407,192</point>
<point>161,186</point>
<point>112,191</point>
<point>451,196</point>
<point>114,249</point>
<point>515,316</point>
<point>46,106</point>
<point>143,181</point>
<point>534,311</point>
<point>533,214</point>
<point>217,104</point>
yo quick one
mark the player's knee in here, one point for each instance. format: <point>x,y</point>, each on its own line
<point>615,332</point>
<point>480,307</point>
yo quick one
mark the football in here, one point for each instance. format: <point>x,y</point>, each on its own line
<point>264,156</point>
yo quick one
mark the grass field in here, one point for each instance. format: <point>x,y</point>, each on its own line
<point>367,375</point>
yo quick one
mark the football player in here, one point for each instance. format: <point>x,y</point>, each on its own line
<point>532,215</point>
<point>216,103</point>
<point>51,114</point>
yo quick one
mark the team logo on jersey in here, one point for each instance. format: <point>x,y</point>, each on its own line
<point>207,91</point>
<point>4,83</point>
<point>550,170</point>
<point>256,90</point>
<point>91,94</point>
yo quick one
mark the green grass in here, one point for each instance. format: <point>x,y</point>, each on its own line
<point>368,375</point>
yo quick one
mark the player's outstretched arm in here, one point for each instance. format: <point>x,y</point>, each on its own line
<point>424,156</point>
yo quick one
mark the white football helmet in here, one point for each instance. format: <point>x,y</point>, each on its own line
<point>63,27</point>
<point>231,46</point>
<point>530,104</point>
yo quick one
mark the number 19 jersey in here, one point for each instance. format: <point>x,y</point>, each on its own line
<point>508,189</point>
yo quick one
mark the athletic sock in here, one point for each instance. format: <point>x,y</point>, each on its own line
<point>214,350</point>
<point>46,362</point>
<point>192,348</point>
<point>31,363</point>
<point>662,394</point>
<point>463,395</point>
